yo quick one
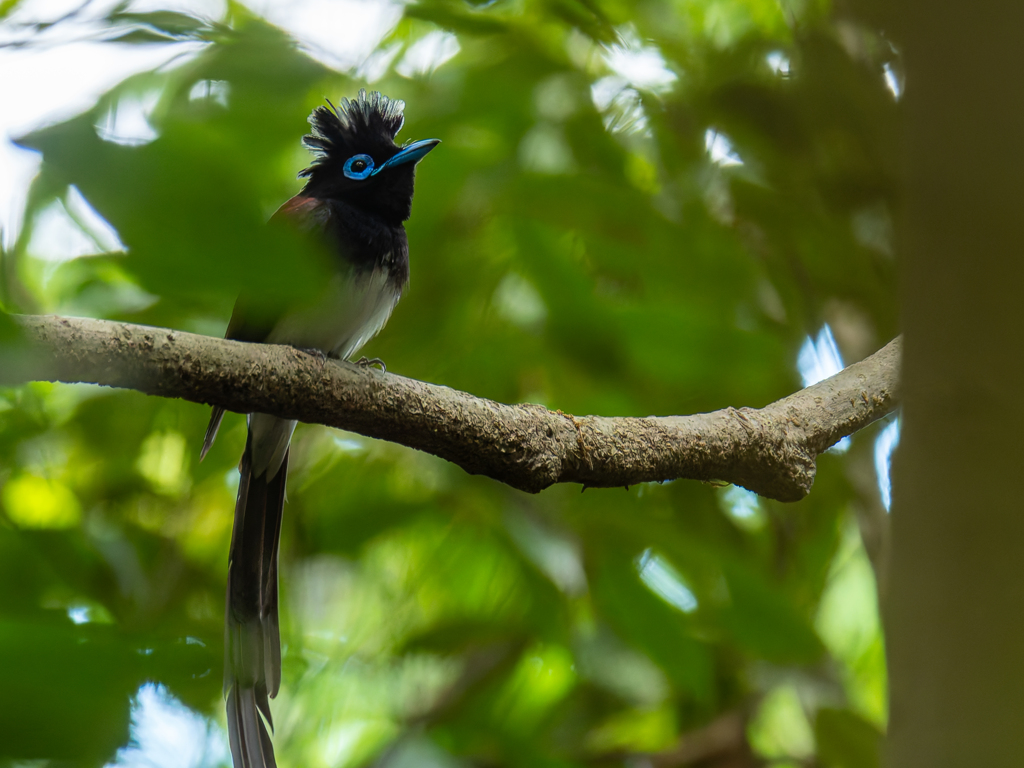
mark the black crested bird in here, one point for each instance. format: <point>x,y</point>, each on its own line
<point>357,194</point>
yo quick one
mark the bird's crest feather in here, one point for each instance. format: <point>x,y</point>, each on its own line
<point>354,126</point>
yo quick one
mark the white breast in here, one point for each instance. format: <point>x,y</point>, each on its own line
<point>350,311</point>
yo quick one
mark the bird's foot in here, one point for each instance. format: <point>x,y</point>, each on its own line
<point>317,353</point>
<point>364,362</point>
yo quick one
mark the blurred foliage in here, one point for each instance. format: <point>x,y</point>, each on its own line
<point>593,235</point>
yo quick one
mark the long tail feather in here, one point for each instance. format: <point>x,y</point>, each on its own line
<point>249,737</point>
<point>252,642</point>
<point>211,430</point>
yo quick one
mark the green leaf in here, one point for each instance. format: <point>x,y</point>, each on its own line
<point>766,623</point>
<point>70,692</point>
<point>652,626</point>
<point>7,6</point>
<point>143,35</point>
<point>170,23</point>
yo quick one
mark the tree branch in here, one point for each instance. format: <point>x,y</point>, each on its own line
<point>771,451</point>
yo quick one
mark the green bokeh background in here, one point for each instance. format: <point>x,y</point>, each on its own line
<point>593,261</point>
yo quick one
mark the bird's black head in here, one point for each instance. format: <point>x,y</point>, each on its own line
<point>356,158</point>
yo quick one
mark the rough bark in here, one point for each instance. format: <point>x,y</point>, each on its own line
<point>771,451</point>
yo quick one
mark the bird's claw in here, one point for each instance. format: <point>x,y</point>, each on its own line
<point>317,353</point>
<point>364,362</point>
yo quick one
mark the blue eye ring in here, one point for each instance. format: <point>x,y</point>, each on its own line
<point>358,167</point>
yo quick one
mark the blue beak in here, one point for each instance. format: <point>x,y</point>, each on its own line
<point>410,154</point>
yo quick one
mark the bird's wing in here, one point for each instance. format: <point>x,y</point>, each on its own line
<point>306,214</point>
<point>303,213</point>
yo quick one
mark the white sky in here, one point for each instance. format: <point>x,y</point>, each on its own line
<point>167,734</point>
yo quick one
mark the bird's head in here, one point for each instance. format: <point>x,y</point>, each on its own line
<point>356,159</point>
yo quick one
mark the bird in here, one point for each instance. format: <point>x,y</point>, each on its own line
<point>357,195</point>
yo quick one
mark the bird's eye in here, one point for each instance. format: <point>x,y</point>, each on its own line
<point>358,167</point>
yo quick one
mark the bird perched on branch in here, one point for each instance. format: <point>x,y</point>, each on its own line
<point>358,192</point>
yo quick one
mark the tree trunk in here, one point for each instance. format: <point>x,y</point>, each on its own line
<point>955,617</point>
